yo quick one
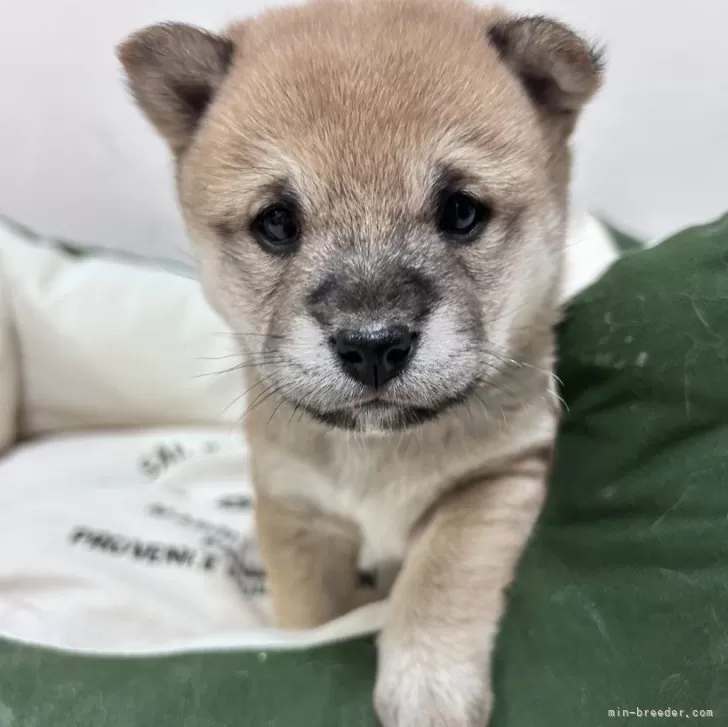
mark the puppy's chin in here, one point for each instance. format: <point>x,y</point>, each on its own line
<point>376,418</point>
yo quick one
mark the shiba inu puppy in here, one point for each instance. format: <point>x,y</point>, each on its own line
<point>376,191</point>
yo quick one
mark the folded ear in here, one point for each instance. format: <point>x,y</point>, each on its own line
<point>558,70</point>
<point>173,71</point>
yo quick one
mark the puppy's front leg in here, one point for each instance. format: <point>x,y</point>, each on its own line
<point>435,650</point>
<point>310,561</point>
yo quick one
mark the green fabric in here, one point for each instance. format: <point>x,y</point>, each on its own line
<point>621,599</point>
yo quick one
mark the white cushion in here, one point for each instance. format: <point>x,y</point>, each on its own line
<point>590,250</point>
<point>113,344</point>
<point>8,369</point>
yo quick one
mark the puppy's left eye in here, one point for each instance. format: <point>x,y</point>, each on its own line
<point>277,229</point>
<point>462,216</point>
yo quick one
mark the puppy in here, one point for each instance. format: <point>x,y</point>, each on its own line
<point>376,191</point>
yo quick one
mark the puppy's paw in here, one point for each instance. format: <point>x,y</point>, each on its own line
<point>418,690</point>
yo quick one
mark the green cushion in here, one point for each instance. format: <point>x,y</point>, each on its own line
<point>622,598</point>
<point>620,601</point>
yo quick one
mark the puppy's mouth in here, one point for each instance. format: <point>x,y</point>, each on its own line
<point>382,414</point>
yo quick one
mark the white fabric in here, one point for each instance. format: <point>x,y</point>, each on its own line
<point>105,343</point>
<point>590,250</point>
<point>141,540</point>
<point>138,542</point>
<point>8,369</point>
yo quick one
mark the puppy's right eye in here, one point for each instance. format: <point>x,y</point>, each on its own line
<point>277,229</point>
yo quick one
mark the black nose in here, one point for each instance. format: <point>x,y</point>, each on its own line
<point>374,357</point>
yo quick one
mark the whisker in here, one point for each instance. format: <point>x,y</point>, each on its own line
<point>272,390</point>
<point>241,336</point>
<point>300,406</point>
<point>560,399</point>
<point>507,313</point>
<point>275,409</point>
<point>268,396</point>
<point>483,404</point>
<point>523,364</point>
<point>244,394</point>
<point>293,413</point>
<point>468,402</point>
<point>240,367</point>
<point>218,358</point>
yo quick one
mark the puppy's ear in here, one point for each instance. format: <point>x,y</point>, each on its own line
<point>173,71</point>
<point>558,70</point>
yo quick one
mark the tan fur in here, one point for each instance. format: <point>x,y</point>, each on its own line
<point>355,108</point>
<point>308,554</point>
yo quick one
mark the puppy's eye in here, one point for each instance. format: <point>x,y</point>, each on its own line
<point>462,216</point>
<point>277,229</point>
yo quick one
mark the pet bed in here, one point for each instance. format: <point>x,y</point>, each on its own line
<point>130,590</point>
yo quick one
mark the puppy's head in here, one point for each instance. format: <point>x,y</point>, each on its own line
<point>375,189</point>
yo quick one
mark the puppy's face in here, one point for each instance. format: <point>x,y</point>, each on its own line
<point>376,191</point>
